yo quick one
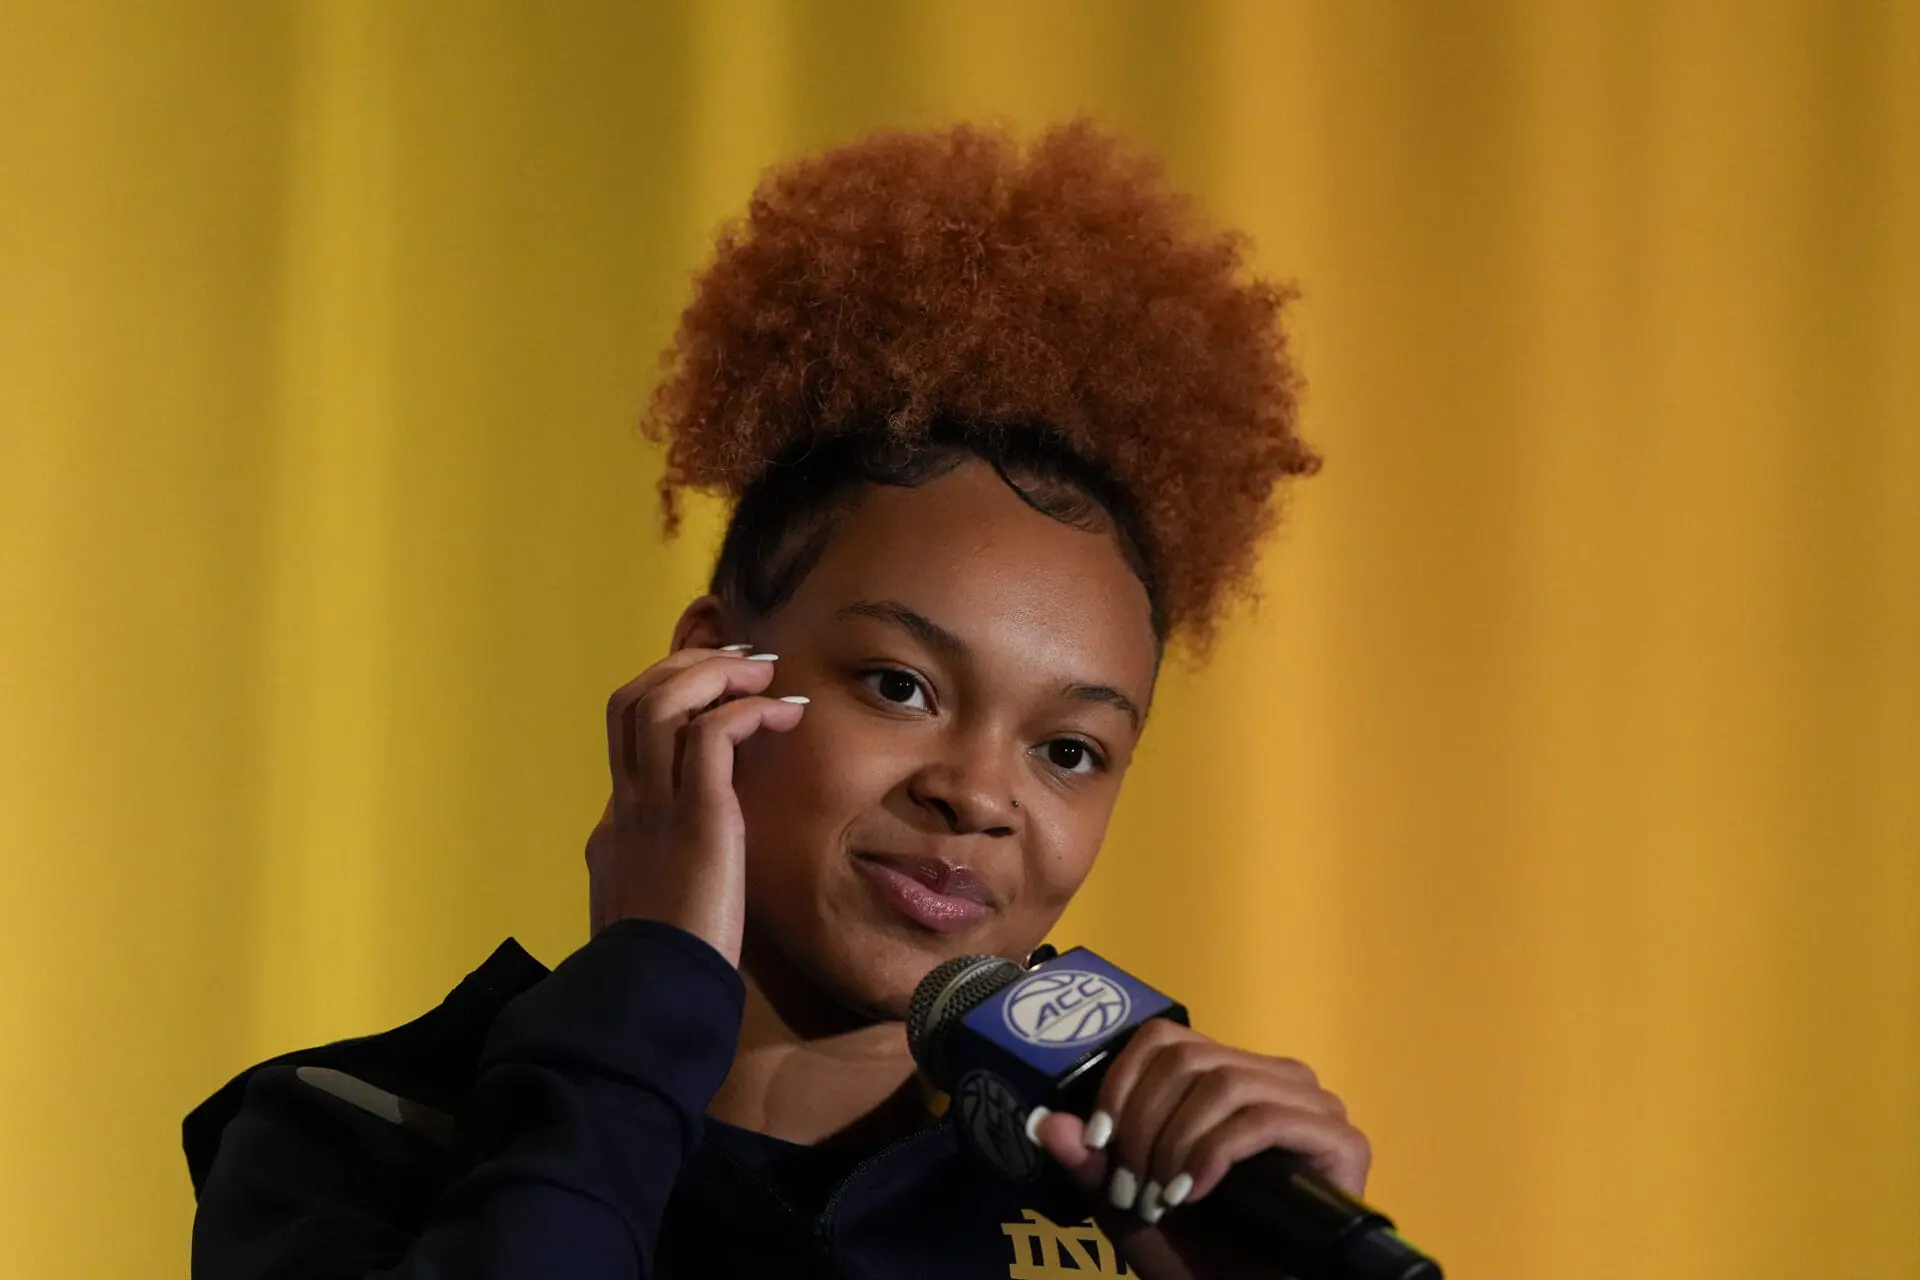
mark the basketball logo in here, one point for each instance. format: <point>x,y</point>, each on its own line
<point>996,1123</point>
<point>1063,1008</point>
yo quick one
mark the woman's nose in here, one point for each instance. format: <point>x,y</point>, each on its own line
<point>968,798</point>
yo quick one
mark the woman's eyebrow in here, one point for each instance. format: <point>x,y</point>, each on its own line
<point>917,624</point>
<point>1108,694</point>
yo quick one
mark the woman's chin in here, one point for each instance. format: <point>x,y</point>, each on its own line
<point>868,963</point>
<point>875,972</point>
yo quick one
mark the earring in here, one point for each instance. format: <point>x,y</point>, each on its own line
<point>1016,804</point>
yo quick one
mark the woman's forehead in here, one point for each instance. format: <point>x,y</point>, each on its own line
<point>967,552</point>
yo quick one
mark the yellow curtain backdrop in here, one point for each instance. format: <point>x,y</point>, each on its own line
<point>1561,803</point>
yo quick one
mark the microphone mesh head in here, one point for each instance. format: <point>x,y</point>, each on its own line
<point>951,991</point>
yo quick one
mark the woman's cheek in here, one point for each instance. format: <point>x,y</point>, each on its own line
<point>812,784</point>
<point>1059,857</point>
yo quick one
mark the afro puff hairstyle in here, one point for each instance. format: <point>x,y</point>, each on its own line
<point>888,308</point>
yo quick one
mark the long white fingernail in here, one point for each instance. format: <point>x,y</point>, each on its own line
<point>1034,1117</point>
<point>800,699</point>
<point>1177,1190</point>
<point>1099,1131</point>
<point>1123,1189</point>
<point>763,657</point>
<point>1150,1206</point>
<point>734,648</point>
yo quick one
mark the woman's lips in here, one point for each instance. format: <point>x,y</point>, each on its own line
<point>932,894</point>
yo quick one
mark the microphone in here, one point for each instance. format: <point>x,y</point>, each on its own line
<point>1001,1039</point>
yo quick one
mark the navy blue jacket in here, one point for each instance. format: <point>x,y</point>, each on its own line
<point>552,1126</point>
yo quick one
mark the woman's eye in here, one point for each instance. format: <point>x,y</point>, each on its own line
<point>897,687</point>
<point>1072,755</point>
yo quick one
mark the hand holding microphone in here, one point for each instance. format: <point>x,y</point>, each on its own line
<point>1254,1162</point>
<point>1177,1110</point>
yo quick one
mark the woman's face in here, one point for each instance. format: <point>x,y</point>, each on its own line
<point>962,652</point>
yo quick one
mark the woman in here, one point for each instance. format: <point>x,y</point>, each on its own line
<point>998,425</point>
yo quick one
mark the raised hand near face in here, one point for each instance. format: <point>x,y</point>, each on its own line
<point>671,845</point>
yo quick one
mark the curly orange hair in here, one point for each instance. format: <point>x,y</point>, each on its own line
<point>915,278</point>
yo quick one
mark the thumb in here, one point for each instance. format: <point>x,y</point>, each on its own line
<point>1064,1138</point>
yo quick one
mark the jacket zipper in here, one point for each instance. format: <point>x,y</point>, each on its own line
<point>824,1229</point>
<point>759,1186</point>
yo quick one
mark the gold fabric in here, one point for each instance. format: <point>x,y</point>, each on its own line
<point>1561,804</point>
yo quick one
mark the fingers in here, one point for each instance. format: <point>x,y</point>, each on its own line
<point>1215,1097</point>
<point>1206,1104</point>
<point>1141,1088</point>
<point>1332,1147</point>
<point>674,705</point>
<point>645,715</point>
<point>1171,1066</point>
<point>1181,1108</point>
<point>620,713</point>
<point>671,845</point>
<point>706,761</point>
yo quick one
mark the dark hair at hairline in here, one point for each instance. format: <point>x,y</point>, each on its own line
<point>781,526</point>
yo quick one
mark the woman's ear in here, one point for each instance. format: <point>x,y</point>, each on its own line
<point>707,623</point>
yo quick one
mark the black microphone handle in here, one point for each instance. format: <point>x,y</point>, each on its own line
<point>1273,1202</point>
